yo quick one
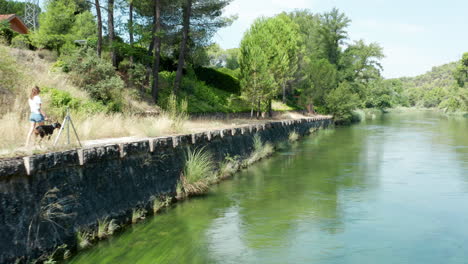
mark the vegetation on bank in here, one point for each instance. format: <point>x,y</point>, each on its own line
<point>442,88</point>
<point>153,56</point>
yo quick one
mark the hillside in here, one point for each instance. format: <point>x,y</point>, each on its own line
<point>123,114</point>
<point>437,77</point>
<point>436,88</point>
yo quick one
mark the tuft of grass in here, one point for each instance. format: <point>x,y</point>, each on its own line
<point>261,150</point>
<point>84,238</point>
<point>161,202</point>
<point>138,214</point>
<point>313,130</point>
<point>102,228</point>
<point>229,167</point>
<point>198,172</point>
<point>293,136</point>
<point>106,228</point>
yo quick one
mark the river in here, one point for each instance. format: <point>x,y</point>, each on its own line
<point>390,190</point>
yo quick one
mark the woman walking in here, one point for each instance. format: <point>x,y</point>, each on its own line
<point>37,116</point>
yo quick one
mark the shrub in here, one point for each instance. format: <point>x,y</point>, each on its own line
<point>21,42</point>
<point>97,76</point>
<point>218,79</point>
<point>5,32</point>
<point>60,100</point>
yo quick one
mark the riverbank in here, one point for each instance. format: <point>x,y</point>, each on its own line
<point>409,109</point>
<point>389,190</point>
<point>116,128</point>
<point>48,199</point>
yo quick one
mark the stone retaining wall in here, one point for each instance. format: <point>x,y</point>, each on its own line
<point>45,199</point>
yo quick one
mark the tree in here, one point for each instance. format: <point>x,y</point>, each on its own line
<point>361,62</point>
<point>183,44</point>
<point>461,73</point>
<point>278,38</point>
<point>99,28</point>
<point>56,24</point>
<point>256,80</point>
<point>157,50</point>
<point>320,79</point>
<point>341,102</point>
<point>110,30</point>
<point>232,59</point>
<point>333,33</point>
<point>130,26</point>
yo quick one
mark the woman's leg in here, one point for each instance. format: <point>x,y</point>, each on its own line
<point>31,129</point>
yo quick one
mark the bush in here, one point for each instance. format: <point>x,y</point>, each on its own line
<point>218,79</point>
<point>21,42</point>
<point>5,32</point>
<point>341,102</point>
<point>60,100</point>
<point>96,76</point>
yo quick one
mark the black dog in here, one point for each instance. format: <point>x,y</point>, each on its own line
<point>46,130</point>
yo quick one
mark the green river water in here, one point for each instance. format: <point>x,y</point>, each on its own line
<point>391,190</point>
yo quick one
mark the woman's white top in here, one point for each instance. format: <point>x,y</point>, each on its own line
<point>35,104</point>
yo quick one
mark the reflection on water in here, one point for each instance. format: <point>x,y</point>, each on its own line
<point>393,190</point>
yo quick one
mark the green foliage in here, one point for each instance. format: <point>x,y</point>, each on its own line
<point>233,73</point>
<point>260,151</point>
<point>332,34</point>
<point>218,79</point>
<point>442,88</point>
<point>12,7</point>
<point>360,62</point>
<point>62,24</point>
<point>60,100</point>
<point>6,33</point>
<point>198,172</point>
<point>97,76</point>
<point>461,73</point>
<point>320,79</point>
<point>268,58</point>
<point>199,165</point>
<point>379,95</point>
<point>232,61</point>
<point>21,42</point>
<point>341,102</point>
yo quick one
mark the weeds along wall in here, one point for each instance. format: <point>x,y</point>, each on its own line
<point>46,199</point>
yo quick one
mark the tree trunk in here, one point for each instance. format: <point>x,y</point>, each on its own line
<point>270,109</point>
<point>183,44</point>
<point>130,29</point>
<point>157,50</point>
<point>110,28</point>
<point>284,92</point>
<point>259,110</point>
<point>99,25</point>
<point>310,108</point>
<point>150,48</point>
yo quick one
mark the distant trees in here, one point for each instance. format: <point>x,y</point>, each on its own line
<point>461,73</point>
<point>307,53</point>
<point>57,31</point>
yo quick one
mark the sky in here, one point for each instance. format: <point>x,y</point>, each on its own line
<point>415,35</point>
